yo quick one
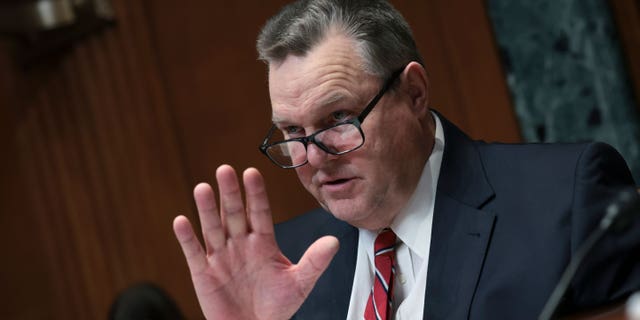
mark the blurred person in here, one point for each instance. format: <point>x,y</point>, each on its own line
<point>144,301</point>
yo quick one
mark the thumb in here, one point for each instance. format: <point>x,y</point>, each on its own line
<point>315,261</point>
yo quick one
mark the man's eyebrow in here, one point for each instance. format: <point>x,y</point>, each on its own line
<point>328,100</point>
<point>276,121</point>
<point>280,121</point>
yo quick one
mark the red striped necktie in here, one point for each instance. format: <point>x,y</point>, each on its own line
<point>379,305</point>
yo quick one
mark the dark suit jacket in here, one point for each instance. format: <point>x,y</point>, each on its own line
<point>507,219</point>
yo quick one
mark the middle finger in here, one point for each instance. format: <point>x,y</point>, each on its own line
<point>231,207</point>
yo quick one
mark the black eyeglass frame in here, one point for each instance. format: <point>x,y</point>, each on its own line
<point>311,138</point>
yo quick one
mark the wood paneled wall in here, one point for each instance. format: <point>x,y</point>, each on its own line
<point>102,146</point>
<point>101,177</point>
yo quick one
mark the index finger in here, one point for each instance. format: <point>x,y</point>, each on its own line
<point>259,211</point>
<point>212,230</point>
<point>190,245</point>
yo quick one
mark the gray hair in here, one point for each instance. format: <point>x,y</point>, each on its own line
<point>384,39</point>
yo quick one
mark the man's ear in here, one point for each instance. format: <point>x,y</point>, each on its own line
<point>416,85</point>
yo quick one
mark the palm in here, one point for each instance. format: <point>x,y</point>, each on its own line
<point>242,274</point>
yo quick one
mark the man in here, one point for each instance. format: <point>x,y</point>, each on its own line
<point>462,229</point>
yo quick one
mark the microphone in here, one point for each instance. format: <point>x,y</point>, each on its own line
<point>621,212</point>
<point>619,215</point>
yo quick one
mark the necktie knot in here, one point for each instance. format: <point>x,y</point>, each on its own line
<point>385,243</point>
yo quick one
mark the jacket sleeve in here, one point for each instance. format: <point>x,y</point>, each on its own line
<point>611,271</point>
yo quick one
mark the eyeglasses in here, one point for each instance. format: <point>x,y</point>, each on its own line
<point>338,139</point>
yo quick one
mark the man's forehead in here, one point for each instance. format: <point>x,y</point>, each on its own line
<point>334,49</point>
<point>328,74</point>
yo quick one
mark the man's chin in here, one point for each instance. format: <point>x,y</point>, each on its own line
<point>345,210</point>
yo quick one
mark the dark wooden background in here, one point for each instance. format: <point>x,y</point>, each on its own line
<point>101,146</point>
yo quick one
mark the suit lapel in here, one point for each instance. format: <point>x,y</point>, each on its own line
<point>461,231</point>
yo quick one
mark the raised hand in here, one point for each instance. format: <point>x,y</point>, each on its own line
<point>241,273</point>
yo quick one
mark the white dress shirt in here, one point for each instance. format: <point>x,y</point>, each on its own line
<point>412,227</point>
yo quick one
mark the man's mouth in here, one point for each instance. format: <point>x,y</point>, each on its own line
<point>337,182</point>
<point>337,187</point>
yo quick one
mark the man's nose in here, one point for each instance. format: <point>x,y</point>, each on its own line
<point>318,157</point>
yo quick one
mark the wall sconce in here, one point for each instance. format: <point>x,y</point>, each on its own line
<point>45,27</point>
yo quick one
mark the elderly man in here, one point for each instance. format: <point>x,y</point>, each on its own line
<point>417,220</point>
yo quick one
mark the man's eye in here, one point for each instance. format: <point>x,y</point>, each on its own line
<point>340,115</point>
<point>292,131</point>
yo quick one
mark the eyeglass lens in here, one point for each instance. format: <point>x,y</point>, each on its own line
<point>338,139</point>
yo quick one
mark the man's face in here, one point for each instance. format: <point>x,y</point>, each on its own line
<point>367,187</point>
